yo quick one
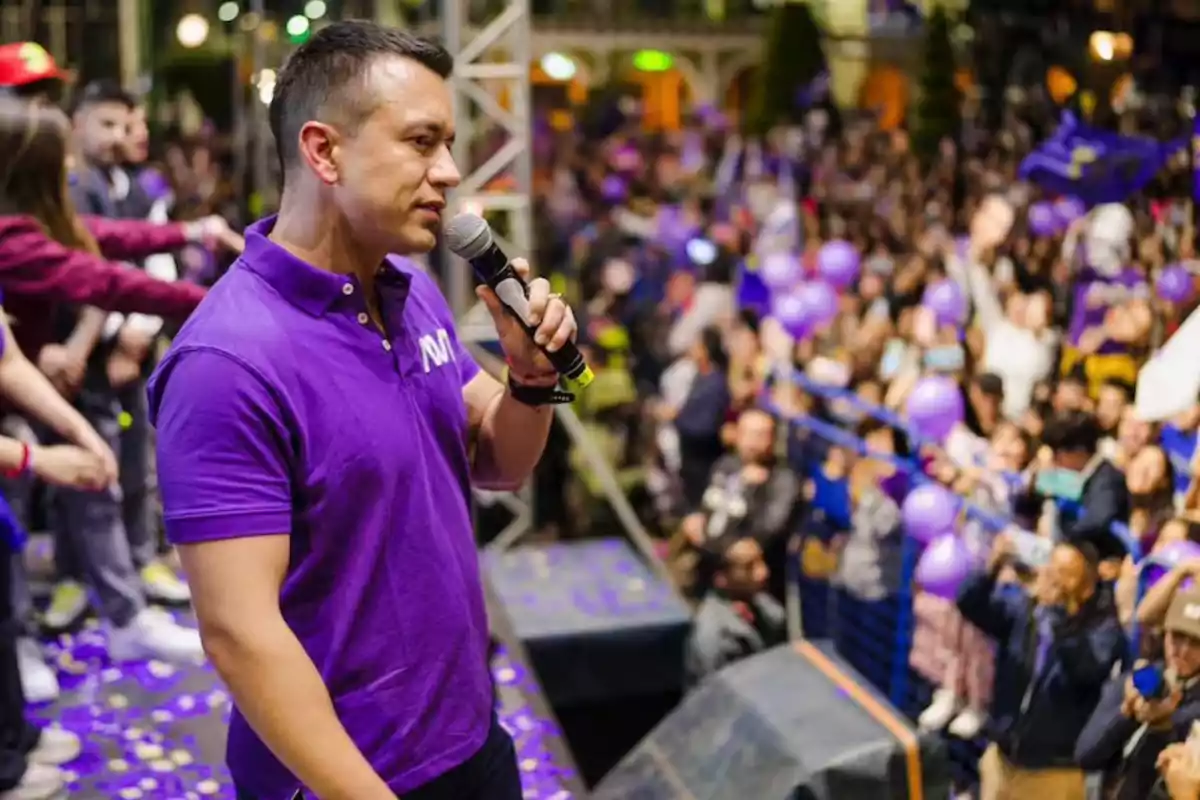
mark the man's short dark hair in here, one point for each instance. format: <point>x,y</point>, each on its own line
<point>326,77</point>
<point>1072,432</point>
<point>102,91</point>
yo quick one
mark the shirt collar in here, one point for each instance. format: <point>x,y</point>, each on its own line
<point>312,290</point>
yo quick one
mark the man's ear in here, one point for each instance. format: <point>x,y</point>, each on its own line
<point>318,145</point>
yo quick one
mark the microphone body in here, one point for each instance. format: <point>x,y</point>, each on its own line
<point>493,268</point>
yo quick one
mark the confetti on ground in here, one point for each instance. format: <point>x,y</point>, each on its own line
<point>154,731</point>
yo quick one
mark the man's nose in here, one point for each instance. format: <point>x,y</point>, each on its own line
<point>444,173</point>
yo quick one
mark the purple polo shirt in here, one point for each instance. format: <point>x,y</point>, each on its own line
<point>280,408</point>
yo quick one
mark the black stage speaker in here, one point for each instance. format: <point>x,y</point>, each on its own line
<point>794,723</point>
<point>606,636</point>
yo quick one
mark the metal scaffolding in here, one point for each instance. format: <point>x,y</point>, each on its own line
<point>491,66</point>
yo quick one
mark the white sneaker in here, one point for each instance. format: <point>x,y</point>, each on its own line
<point>153,634</point>
<point>968,724</point>
<point>38,681</point>
<point>39,782</point>
<point>943,708</point>
<point>161,583</point>
<point>56,747</point>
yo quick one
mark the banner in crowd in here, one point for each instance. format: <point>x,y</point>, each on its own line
<point>1094,165</point>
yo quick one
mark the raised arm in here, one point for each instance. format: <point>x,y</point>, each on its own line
<point>134,239</point>
<point>33,264</point>
<point>225,463</point>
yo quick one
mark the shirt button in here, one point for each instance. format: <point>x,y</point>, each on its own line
<point>347,288</point>
<point>387,345</point>
<point>363,318</point>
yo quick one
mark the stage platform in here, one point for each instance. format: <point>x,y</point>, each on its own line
<point>156,732</point>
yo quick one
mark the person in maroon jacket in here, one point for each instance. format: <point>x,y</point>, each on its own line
<point>49,255</point>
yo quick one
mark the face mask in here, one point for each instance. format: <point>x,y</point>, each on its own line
<point>948,358</point>
<point>893,359</point>
<point>1063,484</point>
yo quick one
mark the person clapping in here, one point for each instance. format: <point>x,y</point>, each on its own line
<point>1055,650</point>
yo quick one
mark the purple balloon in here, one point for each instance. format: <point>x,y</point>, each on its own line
<point>934,407</point>
<point>1042,220</point>
<point>1174,284</point>
<point>1068,209</point>
<point>790,311</point>
<point>613,189</point>
<point>781,272</point>
<point>943,567</point>
<point>947,302</point>
<point>838,263</point>
<point>928,512</point>
<point>822,302</point>
<point>1166,559</point>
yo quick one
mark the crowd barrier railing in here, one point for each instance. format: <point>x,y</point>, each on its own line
<point>876,636</point>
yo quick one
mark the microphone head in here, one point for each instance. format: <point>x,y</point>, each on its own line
<point>468,236</point>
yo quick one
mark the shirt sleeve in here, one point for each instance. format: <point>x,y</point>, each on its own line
<point>225,459</point>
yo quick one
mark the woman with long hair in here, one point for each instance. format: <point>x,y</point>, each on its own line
<point>51,255</point>
<point>29,757</point>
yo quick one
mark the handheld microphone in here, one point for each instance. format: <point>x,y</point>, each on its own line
<point>469,237</point>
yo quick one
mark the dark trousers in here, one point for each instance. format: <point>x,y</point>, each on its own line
<point>490,774</point>
<point>17,736</point>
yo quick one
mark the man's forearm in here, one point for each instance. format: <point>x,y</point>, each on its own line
<point>87,331</point>
<point>281,694</point>
<point>511,440</point>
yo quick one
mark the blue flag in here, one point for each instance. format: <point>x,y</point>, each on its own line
<point>1094,165</point>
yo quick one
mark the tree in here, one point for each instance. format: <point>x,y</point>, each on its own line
<point>939,108</point>
<point>792,57</point>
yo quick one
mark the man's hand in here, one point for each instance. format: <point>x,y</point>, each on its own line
<point>63,367</point>
<point>693,528</point>
<point>68,465</point>
<point>215,234</point>
<point>134,343</point>
<point>122,369</point>
<point>1091,340</point>
<point>1002,549</point>
<point>555,326</point>
<point>1157,713</point>
<point>1180,772</point>
<point>1047,590</point>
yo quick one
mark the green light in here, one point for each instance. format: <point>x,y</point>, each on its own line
<point>652,61</point>
<point>297,28</point>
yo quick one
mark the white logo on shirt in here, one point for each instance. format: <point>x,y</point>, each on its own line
<point>436,350</point>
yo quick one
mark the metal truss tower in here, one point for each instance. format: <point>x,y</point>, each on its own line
<point>491,61</point>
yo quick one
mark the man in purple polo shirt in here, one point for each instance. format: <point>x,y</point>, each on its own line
<point>319,426</point>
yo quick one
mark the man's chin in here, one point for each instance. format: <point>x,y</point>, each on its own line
<point>415,240</point>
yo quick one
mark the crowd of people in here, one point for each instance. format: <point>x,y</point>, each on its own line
<point>766,447</point>
<point>78,207</point>
<point>717,405</point>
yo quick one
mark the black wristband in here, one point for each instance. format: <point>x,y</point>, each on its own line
<point>537,396</point>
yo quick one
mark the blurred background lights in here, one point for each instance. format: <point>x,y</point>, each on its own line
<point>228,12</point>
<point>192,31</point>
<point>558,67</point>
<point>315,9</point>
<point>266,85</point>
<point>297,26</point>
